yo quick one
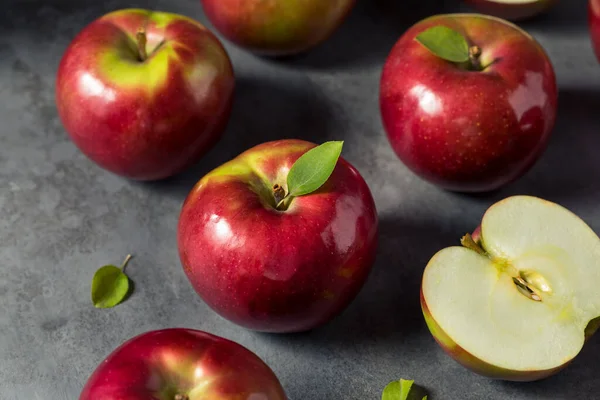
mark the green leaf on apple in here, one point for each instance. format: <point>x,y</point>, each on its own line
<point>313,168</point>
<point>403,390</point>
<point>445,43</point>
<point>110,285</point>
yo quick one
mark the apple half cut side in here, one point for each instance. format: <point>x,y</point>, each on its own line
<point>512,10</point>
<point>519,302</point>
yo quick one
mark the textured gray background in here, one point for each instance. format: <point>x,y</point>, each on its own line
<point>61,217</point>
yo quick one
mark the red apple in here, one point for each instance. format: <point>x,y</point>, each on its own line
<point>514,10</point>
<point>144,94</point>
<point>272,270</point>
<point>594,22</point>
<point>277,27</point>
<point>472,126</point>
<point>182,364</point>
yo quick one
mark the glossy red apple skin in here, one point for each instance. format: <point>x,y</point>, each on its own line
<point>277,27</point>
<point>475,364</point>
<point>512,12</point>
<point>465,130</point>
<point>277,271</point>
<point>594,23</point>
<point>144,120</point>
<point>165,363</point>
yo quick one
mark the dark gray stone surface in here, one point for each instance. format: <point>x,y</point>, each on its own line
<point>61,217</point>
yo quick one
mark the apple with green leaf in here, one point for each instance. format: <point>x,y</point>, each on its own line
<point>182,364</point>
<point>594,23</point>
<point>277,27</point>
<point>513,10</point>
<point>144,94</point>
<point>468,101</point>
<point>519,298</point>
<point>281,238</point>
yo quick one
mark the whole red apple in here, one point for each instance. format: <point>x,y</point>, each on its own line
<point>182,364</point>
<point>277,27</point>
<point>144,94</point>
<point>277,270</point>
<point>514,10</point>
<point>471,126</point>
<point>594,22</point>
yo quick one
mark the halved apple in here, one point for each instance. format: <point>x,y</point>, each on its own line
<point>513,10</point>
<point>519,301</point>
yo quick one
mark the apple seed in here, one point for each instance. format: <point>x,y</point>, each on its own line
<point>525,290</point>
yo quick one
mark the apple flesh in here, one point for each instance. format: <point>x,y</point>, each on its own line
<point>144,106</point>
<point>182,364</point>
<point>594,23</point>
<point>513,10</point>
<point>519,302</point>
<point>277,27</point>
<point>271,270</point>
<point>463,129</point>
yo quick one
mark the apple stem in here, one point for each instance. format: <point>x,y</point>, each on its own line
<point>468,242</point>
<point>129,256</point>
<point>278,193</point>
<point>141,44</point>
<point>474,54</point>
<point>282,200</point>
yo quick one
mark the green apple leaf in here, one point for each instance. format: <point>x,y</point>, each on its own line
<point>313,168</point>
<point>402,390</point>
<point>445,43</point>
<point>110,285</point>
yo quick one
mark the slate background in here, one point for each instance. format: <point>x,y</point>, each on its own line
<point>61,217</point>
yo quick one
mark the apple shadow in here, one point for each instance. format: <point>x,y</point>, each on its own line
<point>368,34</point>
<point>263,110</point>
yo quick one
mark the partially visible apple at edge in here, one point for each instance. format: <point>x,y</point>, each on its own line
<point>512,10</point>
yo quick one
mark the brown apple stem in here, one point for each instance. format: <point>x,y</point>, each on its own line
<point>468,242</point>
<point>474,54</point>
<point>278,193</point>
<point>129,256</point>
<point>141,44</point>
<point>181,397</point>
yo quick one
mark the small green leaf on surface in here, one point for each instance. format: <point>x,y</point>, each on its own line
<point>313,168</point>
<point>445,43</point>
<point>110,285</point>
<point>403,390</point>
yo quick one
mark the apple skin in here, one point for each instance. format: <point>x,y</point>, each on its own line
<point>277,271</point>
<point>475,364</point>
<point>512,12</point>
<point>594,22</point>
<point>162,364</point>
<point>144,120</point>
<point>463,130</point>
<point>277,27</point>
